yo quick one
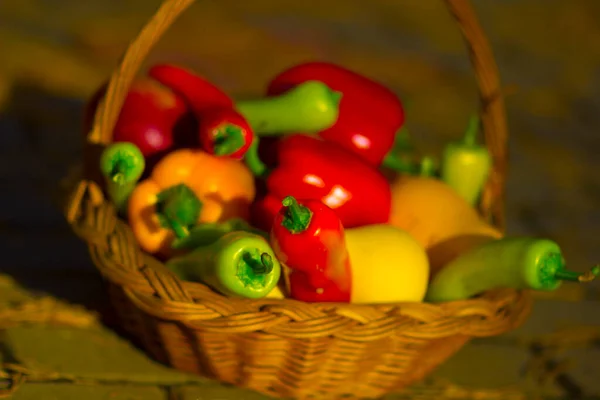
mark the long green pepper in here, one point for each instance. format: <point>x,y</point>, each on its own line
<point>518,263</point>
<point>122,165</point>
<point>238,264</point>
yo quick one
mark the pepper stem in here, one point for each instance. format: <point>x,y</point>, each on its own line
<point>297,217</point>
<point>253,161</point>
<point>119,169</point>
<point>227,139</point>
<point>573,276</point>
<point>178,208</point>
<point>427,167</point>
<point>470,137</point>
<point>262,265</point>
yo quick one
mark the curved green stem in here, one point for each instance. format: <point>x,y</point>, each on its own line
<point>567,275</point>
<point>261,265</point>
<point>470,137</point>
<point>228,140</point>
<point>178,208</point>
<point>427,167</point>
<point>297,217</point>
<point>253,161</point>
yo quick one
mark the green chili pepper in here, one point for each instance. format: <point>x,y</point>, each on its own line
<point>466,165</point>
<point>239,264</point>
<point>205,234</point>
<point>309,107</point>
<point>122,165</point>
<point>518,263</point>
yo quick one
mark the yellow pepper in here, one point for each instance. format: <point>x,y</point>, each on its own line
<point>187,187</point>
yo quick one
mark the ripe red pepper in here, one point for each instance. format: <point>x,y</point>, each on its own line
<point>311,168</point>
<point>225,132</point>
<point>152,117</point>
<point>369,114</point>
<point>308,237</point>
<point>222,130</point>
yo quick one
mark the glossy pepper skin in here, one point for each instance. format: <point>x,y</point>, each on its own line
<point>309,107</point>
<point>239,264</point>
<point>466,164</point>
<point>222,130</point>
<point>369,113</point>
<point>122,165</point>
<point>311,168</point>
<point>207,233</point>
<point>225,132</point>
<point>518,263</point>
<point>308,238</point>
<point>153,118</point>
<point>187,187</point>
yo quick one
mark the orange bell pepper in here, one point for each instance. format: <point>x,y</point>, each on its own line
<point>187,187</point>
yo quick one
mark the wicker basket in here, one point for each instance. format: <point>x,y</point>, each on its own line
<point>286,348</point>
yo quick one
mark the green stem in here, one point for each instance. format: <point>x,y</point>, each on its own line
<point>253,161</point>
<point>297,217</point>
<point>427,167</point>
<point>573,276</point>
<point>262,265</point>
<point>118,173</point>
<point>470,137</point>
<point>178,208</point>
<point>228,140</point>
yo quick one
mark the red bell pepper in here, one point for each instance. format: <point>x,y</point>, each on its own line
<point>369,113</point>
<point>152,117</point>
<point>225,132</point>
<point>308,237</point>
<point>222,130</point>
<point>311,168</point>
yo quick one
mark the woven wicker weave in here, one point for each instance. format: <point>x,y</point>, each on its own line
<point>283,347</point>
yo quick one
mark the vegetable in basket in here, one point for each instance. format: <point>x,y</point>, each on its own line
<point>239,264</point>
<point>207,233</point>
<point>369,113</point>
<point>388,265</point>
<point>380,263</point>
<point>309,108</point>
<point>311,168</point>
<point>122,165</point>
<point>152,117</point>
<point>308,238</point>
<point>187,187</point>
<point>438,218</point>
<point>518,263</point>
<point>466,165</point>
<point>222,130</point>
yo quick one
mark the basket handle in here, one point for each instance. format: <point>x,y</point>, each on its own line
<point>492,105</point>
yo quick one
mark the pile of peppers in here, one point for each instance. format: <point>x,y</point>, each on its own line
<point>253,197</point>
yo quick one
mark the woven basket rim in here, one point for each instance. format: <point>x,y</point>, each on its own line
<point>155,290</point>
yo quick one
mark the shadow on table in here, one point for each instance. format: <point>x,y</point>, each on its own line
<point>40,144</point>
